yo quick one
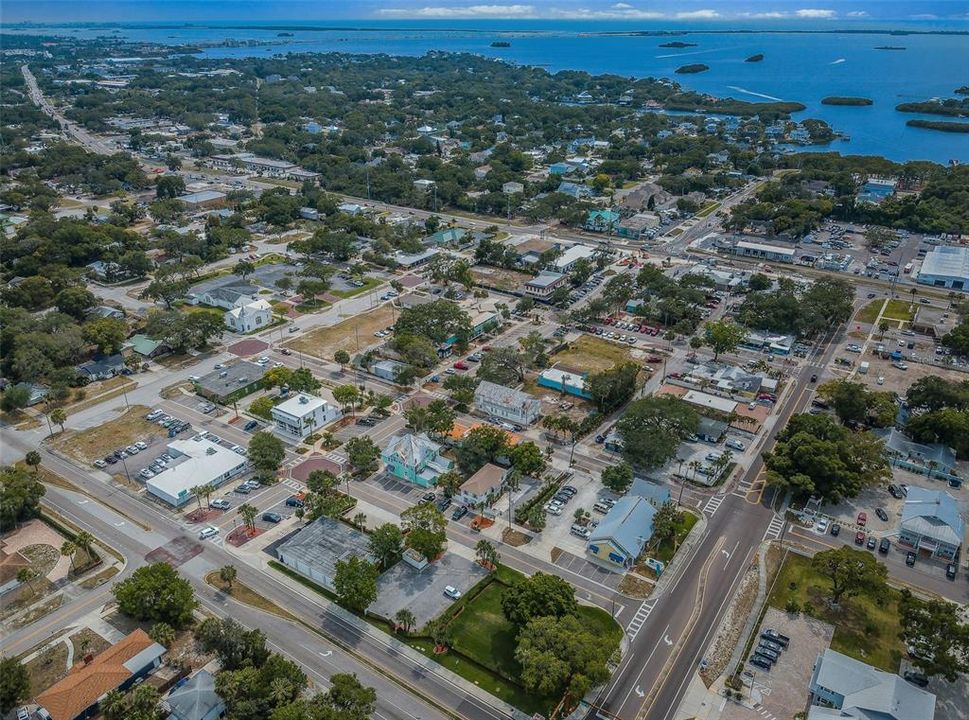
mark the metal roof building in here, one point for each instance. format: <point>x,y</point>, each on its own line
<point>946,266</point>
<point>315,550</point>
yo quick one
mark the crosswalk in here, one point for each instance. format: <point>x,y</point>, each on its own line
<point>639,619</point>
<point>293,484</point>
<point>764,713</point>
<point>713,504</point>
<point>774,529</point>
<point>744,487</point>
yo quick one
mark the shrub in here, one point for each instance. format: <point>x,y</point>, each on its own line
<point>792,607</point>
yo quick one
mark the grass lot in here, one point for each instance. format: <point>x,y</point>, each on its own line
<point>323,342</point>
<point>246,595</point>
<point>369,283</point>
<point>668,547</point>
<point>592,354</point>
<point>500,278</point>
<point>93,443</point>
<point>47,668</point>
<point>869,312</point>
<point>866,628</point>
<point>899,310</point>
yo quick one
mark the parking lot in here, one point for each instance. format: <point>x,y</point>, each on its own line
<point>422,591</point>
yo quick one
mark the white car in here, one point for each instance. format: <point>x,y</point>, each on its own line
<point>736,445</point>
<point>452,592</point>
<point>100,463</point>
<point>263,360</point>
<point>822,526</point>
<point>208,532</point>
<point>219,504</point>
<point>141,445</point>
<point>553,509</point>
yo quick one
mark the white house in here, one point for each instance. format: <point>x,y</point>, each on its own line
<point>228,296</point>
<point>567,260</point>
<point>484,487</point>
<point>197,462</point>
<point>251,316</point>
<point>302,415</point>
<point>506,403</point>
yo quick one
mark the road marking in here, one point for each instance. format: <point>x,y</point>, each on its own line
<point>713,504</point>
<point>666,639</point>
<point>639,692</point>
<point>726,554</point>
<point>326,654</point>
<point>774,529</point>
<point>639,619</point>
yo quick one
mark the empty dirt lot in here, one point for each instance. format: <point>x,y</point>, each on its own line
<point>353,334</point>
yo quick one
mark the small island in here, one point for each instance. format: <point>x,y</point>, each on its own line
<point>759,57</point>
<point>500,43</point>
<point>690,69</point>
<point>964,90</point>
<point>836,100</point>
<point>890,47</point>
<point>940,125</point>
<point>677,44</point>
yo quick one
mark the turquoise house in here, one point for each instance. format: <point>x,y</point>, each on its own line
<point>564,382</point>
<point>601,220</point>
<point>415,458</point>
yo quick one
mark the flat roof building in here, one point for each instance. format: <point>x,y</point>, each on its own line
<point>567,260</point>
<point>946,266</point>
<point>231,382</point>
<point>507,403</point>
<point>303,414</point>
<point>203,200</point>
<point>764,252</point>
<point>315,550</point>
<point>545,283</point>
<point>197,462</point>
<point>710,402</point>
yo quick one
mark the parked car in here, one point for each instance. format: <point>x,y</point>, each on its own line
<point>822,526</point>
<point>427,498</point>
<point>293,501</point>
<point>882,515</point>
<point>872,541</point>
<point>771,645</point>
<point>894,491</point>
<point>220,504</point>
<point>916,678</point>
<point>208,532</point>
<point>862,519</point>
<point>243,489</point>
<point>553,509</point>
<point>100,463</point>
<point>763,658</point>
<point>272,517</point>
<point>910,559</point>
<point>459,513</point>
<point>950,571</point>
<point>859,538</point>
<point>444,504</point>
<point>756,661</point>
<point>251,425</point>
<point>452,592</point>
<point>461,365</point>
<point>884,546</point>
<point>735,445</point>
<point>774,636</point>
<point>580,531</point>
<point>835,530</point>
<point>766,652</point>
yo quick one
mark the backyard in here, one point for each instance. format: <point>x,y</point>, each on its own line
<point>591,354</point>
<point>345,335</point>
<point>865,628</point>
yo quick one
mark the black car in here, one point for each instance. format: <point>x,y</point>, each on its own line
<point>600,439</point>
<point>894,491</point>
<point>770,645</point>
<point>814,377</point>
<point>767,652</point>
<point>251,425</point>
<point>110,459</point>
<point>910,559</point>
<point>568,489</point>
<point>882,515</point>
<point>884,546</point>
<point>459,513</point>
<point>774,636</point>
<point>756,661</point>
<point>444,504</point>
<point>293,501</point>
<point>365,421</point>
<point>272,517</point>
<point>835,529</point>
<point>950,571</point>
<point>916,678</point>
<point>872,542</point>
<point>761,656</point>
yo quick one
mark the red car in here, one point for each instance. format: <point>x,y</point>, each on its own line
<point>460,365</point>
<point>654,359</point>
<point>862,519</point>
<point>607,321</point>
<point>859,538</point>
<point>654,331</point>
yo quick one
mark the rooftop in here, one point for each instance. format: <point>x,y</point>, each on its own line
<point>629,524</point>
<point>488,478</point>
<point>300,405</point>
<point>934,513</point>
<point>503,396</point>
<point>236,376</point>
<point>203,462</point>
<point>202,196</point>
<point>544,279</point>
<point>947,261</point>
<point>323,542</point>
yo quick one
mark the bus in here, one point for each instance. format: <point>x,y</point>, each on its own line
<point>908,268</point>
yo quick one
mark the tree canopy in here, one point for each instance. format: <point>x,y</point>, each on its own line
<point>653,428</point>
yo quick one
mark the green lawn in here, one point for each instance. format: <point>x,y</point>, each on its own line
<point>866,628</point>
<point>869,312</point>
<point>483,633</point>
<point>369,283</point>
<point>668,547</point>
<point>708,209</point>
<point>899,310</point>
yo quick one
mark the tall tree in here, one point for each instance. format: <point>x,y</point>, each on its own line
<point>386,544</point>
<point>227,574</point>
<point>538,595</point>
<point>266,453</point>
<point>355,582</point>
<point>850,572</point>
<point>724,336</point>
<point>426,530</point>
<point>618,477</point>
<point>157,593</point>
<point>938,641</point>
<point>653,428</point>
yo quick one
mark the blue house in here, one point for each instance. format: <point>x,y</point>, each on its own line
<point>415,458</point>
<point>564,382</point>
<point>575,190</point>
<point>623,533</point>
<point>559,168</point>
<point>448,235</point>
<point>601,220</point>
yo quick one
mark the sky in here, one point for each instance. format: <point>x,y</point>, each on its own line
<point>736,12</point>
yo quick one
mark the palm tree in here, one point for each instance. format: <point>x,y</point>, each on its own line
<point>360,520</point>
<point>198,491</point>
<point>227,573</point>
<point>84,540</point>
<point>694,466</point>
<point>248,513</point>
<point>26,575</point>
<point>69,549</point>
<point>33,460</point>
<point>486,554</point>
<point>404,619</point>
<point>58,416</point>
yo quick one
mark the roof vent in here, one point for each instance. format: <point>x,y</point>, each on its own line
<point>304,400</point>
<point>210,451</point>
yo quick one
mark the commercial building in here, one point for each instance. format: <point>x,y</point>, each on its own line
<point>565,382</point>
<point>545,284</point>
<point>387,369</point>
<point>710,402</point>
<point>506,403</point>
<point>415,458</point>
<point>231,382</point>
<point>764,252</point>
<point>262,166</point>
<point>203,200</point>
<point>567,260</point>
<point>86,684</point>
<point>484,487</point>
<point>512,188</point>
<point>636,226</point>
<point>197,461</point>
<point>622,534</point>
<point>249,317</point>
<point>412,260</point>
<point>601,220</point>
<point>931,523</point>
<point>842,687</point>
<point>302,415</point>
<point>230,295</point>
<point>947,267</point>
<point>315,550</point>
